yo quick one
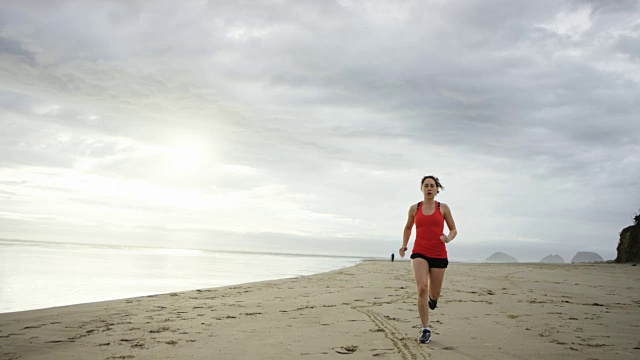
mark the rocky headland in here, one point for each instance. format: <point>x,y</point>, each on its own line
<point>629,244</point>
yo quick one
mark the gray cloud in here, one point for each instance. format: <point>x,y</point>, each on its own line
<point>628,45</point>
<point>15,48</point>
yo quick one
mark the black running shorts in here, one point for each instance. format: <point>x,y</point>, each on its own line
<point>437,263</point>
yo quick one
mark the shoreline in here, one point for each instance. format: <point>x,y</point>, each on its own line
<point>180,291</point>
<point>42,275</point>
<point>172,292</point>
<point>517,310</point>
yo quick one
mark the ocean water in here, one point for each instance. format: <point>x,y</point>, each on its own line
<point>36,275</point>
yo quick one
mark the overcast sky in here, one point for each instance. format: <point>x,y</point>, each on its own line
<point>306,126</point>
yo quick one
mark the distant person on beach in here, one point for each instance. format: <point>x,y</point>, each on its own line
<point>429,254</point>
<point>393,256</point>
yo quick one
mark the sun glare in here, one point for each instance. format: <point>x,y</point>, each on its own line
<point>187,156</point>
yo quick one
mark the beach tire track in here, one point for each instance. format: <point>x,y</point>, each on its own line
<point>391,333</point>
<point>412,344</point>
<point>398,344</point>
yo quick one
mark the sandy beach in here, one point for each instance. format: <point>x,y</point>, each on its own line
<point>486,311</point>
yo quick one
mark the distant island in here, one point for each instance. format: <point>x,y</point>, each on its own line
<point>586,256</point>
<point>500,257</point>
<point>552,259</point>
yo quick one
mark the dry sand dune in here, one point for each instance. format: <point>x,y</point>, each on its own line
<point>487,311</point>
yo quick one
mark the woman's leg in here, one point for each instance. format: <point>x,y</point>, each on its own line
<point>421,273</point>
<point>436,277</point>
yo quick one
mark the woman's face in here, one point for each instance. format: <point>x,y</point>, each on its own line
<point>429,188</point>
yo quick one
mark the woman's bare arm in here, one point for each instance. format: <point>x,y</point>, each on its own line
<point>448,218</point>
<point>406,235</point>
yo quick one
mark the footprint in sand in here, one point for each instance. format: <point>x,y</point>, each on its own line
<point>33,326</point>
<point>348,349</point>
<point>127,340</point>
<point>58,341</point>
<point>159,330</point>
<point>383,353</point>
<point>548,332</point>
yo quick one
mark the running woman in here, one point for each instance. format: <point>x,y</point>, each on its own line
<point>429,254</point>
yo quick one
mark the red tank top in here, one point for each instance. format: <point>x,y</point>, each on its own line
<point>428,231</point>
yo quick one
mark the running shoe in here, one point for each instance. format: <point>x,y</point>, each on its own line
<point>425,337</point>
<point>432,303</point>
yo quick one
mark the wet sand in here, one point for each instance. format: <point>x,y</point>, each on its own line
<point>486,311</point>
